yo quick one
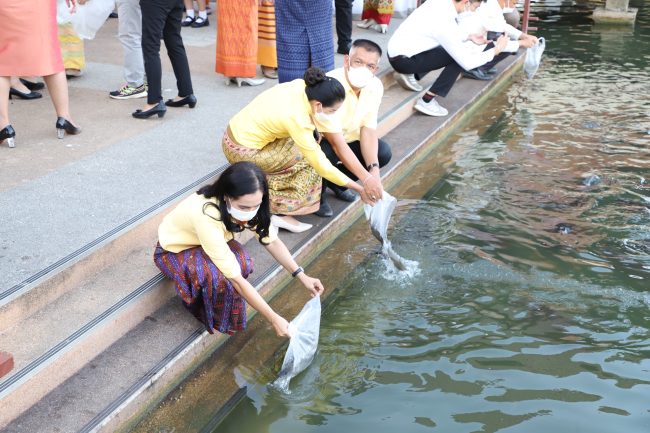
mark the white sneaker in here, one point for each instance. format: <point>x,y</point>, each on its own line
<point>431,108</point>
<point>282,224</point>
<point>408,82</point>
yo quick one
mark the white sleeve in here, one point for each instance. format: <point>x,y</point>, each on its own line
<point>452,41</point>
<point>512,32</point>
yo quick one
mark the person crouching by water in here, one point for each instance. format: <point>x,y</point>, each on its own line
<point>197,250</point>
<point>276,131</point>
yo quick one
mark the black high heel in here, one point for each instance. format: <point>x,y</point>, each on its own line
<point>64,126</point>
<point>159,109</point>
<point>8,134</point>
<point>32,85</point>
<point>22,95</point>
<point>189,100</point>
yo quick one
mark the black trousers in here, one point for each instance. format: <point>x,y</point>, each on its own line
<point>423,63</point>
<point>343,23</point>
<point>384,154</point>
<point>161,19</point>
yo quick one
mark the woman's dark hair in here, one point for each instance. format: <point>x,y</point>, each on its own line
<point>240,179</point>
<point>326,90</point>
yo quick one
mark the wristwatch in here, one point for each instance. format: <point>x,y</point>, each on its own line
<point>295,273</point>
<point>370,166</point>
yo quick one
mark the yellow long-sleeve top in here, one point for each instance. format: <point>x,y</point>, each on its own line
<point>280,112</point>
<point>191,223</point>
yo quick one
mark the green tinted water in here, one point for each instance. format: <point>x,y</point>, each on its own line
<point>530,312</point>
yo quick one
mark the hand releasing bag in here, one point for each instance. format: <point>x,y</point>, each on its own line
<point>379,216</point>
<point>534,57</point>
<point>303,344</point>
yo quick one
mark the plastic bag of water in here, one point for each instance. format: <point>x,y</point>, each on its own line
<point>303,344</point>
<point>534,57</point>
<point>88,17</point>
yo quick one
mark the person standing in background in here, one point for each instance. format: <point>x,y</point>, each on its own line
<point>72,50</point>
<point>237,42</point>
<point>129,31</point>
<point>163,18</point>
<point>376,15</point>
<point>267,55</point>
<point>343,25</point>
<point>29,46</point>
<point>304,37</point>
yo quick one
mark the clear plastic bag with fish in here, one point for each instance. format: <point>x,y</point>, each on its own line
<point>88,17</point>
<point>534,58</point>
<point>379,216</point>
<point>304,330</point>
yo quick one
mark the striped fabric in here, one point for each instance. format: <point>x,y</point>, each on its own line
<point>304,37</point>
<point>266,54</point>
<point>203,288</point>
<point>72,48</point>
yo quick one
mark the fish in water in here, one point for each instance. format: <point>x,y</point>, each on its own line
<point>564,228</point>
<point>591,180</point>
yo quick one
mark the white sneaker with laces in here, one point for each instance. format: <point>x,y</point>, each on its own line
<point>408,82</point>
<point>431,108</point>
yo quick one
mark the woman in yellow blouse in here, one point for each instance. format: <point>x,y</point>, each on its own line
<point>276,131</point>
<point>197,250</point>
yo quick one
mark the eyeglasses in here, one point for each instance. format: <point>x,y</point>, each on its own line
<point>358,63</point>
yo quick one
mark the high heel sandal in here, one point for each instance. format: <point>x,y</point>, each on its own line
<point>189,100</point>
<point>270,72</point>
<point>366,23</point>
<point>23,95</point>
<point>248,81</point>
<point>64,126</point>
<point>8,134</point>
<point>158,109</point>
<point>32,85</point>
<point>381,28</point>
<point>282,224</point>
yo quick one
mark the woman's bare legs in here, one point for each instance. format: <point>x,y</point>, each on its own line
<point>57,85</point>
<point>4,101</point>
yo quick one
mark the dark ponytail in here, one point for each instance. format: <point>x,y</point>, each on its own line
<point>326,90</point>
<point>237,180</point>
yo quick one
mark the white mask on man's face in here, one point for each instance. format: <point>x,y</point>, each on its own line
<point>359,77</point>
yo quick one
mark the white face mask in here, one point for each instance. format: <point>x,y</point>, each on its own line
<point>242,215</point>
<point>359,77</point>
<point>324,117</point>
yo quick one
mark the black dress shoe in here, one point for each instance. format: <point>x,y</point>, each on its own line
<point>159,109</point>
<point>189,100</point>
<point>342,193</point>
<point>21,95</point>
<point>31,85</point>
<point>477,74</point>
<point>64,126</point>
<point>200,22</point>
<point>113,15</point>
<point>491,71</point>
<point>188,21</point>
<point>325,210</point>
<point>8,134</point>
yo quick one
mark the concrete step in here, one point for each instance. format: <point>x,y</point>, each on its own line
<point>106,293</point>
<point>102,291</point>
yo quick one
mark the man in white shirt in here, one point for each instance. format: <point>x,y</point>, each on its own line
<point>429,39</point>
<point>350,138</point>
<point>489,16</point>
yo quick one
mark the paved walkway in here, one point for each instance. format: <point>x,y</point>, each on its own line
<point>58,195</point>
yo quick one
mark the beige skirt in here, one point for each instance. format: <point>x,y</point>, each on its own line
<point>294,185</point>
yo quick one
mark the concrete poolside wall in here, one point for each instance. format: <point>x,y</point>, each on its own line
<point>200,401</point>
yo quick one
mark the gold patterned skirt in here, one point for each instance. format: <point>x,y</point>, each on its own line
<point>294,185</point>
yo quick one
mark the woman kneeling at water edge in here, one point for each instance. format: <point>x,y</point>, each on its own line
<point>276,131</point>
<point>197,250</point>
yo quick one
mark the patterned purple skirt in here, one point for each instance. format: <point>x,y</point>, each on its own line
<point>205,291</point>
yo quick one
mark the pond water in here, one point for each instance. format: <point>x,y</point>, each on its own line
<point>530,310</point>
